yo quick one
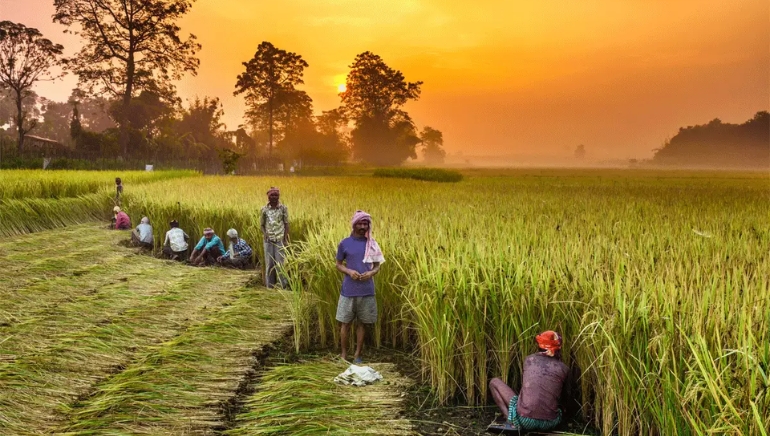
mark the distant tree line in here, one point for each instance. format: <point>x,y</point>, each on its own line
<point>718,144</point>
<point>126,105</point>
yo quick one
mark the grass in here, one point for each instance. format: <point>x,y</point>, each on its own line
<point>658,281</point>
<point>23,184</point>
<point>36,200</point>
<point>86,323</point>
<point>426,174</point>
<point>301,399</point>
<point>657,284</point>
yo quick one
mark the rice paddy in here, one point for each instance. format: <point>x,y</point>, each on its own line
<point>297,399</point>
<point>99,340</point>
<point>660,283</point>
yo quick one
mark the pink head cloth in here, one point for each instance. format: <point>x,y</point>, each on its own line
<point>373,252</point>
<point>273,189</point>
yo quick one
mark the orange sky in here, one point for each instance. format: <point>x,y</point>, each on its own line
<point>513,77</point>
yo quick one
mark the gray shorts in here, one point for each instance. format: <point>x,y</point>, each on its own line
<point>362,308</point>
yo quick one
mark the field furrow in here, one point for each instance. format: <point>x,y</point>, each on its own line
<point>184,385</point>
<point>75,331</point>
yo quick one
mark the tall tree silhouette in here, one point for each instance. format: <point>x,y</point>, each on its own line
<point>580,152</point>
<point>129,46</point>
<point>432,140</point>
<point>269,83</point>
<point>373,99</point>
<point>25,58</point>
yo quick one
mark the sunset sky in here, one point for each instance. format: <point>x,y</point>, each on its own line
<point>505,78</point>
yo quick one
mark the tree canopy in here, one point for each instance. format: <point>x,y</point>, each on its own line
<point>129,46</point>
<point>269,83</point>
<point>432,141</point>
<point>25,58</point>
<point>720,144</point>
<point>375,94</point>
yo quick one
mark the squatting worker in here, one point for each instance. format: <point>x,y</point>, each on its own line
<point>359,258</point>
<point>208,250</point>
<point>175,245</point>
<point>274,222</point>
<point>239,253</point>
<point>122,221</point>
<point>536,407</point>
<point>141,236</point>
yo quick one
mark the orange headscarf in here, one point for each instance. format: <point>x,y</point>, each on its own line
<point>550,341</point>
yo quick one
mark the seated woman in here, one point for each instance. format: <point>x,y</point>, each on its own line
<point>536,407</point>
<point>121,221</point>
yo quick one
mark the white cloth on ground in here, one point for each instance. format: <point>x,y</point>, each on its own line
<point>358,376</point>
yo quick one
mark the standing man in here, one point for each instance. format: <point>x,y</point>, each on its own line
<point>141,236</point>
<point>275,228</point>
<point>208,250</point>
<point>175,244</point>
<point>358,257</point>
<point>118,189</point>
<point>239,253</point>
<point>537,406</point>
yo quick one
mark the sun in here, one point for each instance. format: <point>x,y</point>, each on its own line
<point>342,87</point>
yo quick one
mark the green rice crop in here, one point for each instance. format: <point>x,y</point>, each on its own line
<point>17,184</point>
<point>426,174</point>
<point>35,200</point>
<point>658,281</point>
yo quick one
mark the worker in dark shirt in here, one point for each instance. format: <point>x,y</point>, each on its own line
<point>118,190</point>
<point>536,407</point>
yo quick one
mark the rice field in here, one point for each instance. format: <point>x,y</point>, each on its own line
<point>25,184</point>
<point>31,201</point>
<point>659,281</point>
<point>297,399</point>
<point>95,339</point>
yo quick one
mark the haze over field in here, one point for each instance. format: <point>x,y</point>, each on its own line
<point>509,79</point>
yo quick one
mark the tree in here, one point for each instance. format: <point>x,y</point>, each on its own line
<point>432,140</point>
<point>201,128</point>
<point>25,58</point>
<point>718,144</point>
<point>384,144</point>
<point>94,111</point>
<point>56,119</point>
<point>129,46</point>
<point>76,127</point>
<point>580,152</point>
<point>373,99</point>
<point>229,160</point>
<point>269,83</point>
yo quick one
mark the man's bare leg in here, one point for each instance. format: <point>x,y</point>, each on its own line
<point>360,332</point>
<point>344,330</point>
<point>502,394</point>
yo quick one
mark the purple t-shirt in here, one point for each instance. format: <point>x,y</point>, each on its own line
<point>351,251</point>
